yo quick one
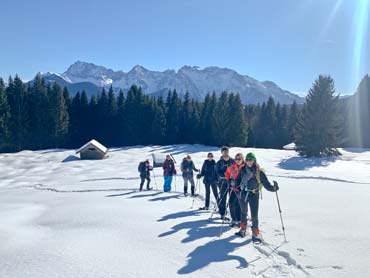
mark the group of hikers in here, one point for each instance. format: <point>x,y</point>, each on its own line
<point>235,183</point>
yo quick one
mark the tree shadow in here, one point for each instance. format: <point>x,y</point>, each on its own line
<point>122,194</point>
<point>145,195</point>
<point>214,251</point>
<point>302,163</point>
<point>356,150</point>
<point>181,214</point>
<point>108,179</point>
<point>71,158</point>
<point>165,198</point>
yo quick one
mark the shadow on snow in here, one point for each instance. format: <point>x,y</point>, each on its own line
<point>302,163</point>
<point>214,251</point>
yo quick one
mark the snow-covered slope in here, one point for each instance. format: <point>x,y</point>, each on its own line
<point>63,217</point>
<point>198,82</point>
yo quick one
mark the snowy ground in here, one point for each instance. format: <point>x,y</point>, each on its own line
<point>63,217</point>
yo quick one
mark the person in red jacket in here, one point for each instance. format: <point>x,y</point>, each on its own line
<point>231,174</point>
<point>169,171</point>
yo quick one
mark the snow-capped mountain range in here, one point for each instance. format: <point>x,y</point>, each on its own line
<point>198,82</point>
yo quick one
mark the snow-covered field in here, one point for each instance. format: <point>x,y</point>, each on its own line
<point>63,217</point>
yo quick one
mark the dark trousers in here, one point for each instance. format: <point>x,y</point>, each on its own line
<point>234,205</point>
<point>188,179</point>
<point>142,182</point>
<point>208,186</point>
<point>253,201</point>
<point>223,187</point>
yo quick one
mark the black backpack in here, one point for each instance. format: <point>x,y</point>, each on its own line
<point>141,167</point>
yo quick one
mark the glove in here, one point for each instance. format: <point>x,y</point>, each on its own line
<point>199,176</point>
<point>232,182</point>
<point>276,186</point>
<point>236,189</point>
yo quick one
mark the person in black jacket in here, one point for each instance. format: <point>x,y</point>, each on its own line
<point>224,162</point>
<point>209,173</point>
<point>144,169</point>
<point>249,181</point>
<point>187,169</point>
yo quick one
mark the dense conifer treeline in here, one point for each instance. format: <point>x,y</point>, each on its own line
<point>38,115</point>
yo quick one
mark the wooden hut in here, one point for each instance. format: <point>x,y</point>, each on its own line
<point>92,150</point>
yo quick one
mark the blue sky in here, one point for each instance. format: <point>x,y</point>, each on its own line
<point>289,42</point>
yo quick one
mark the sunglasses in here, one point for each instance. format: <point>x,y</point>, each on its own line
<point>249,160</point>
<point>210,156</point>
<point>238,159</point>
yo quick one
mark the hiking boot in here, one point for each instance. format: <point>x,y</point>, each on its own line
<point>256,236</point>
<point>225,218</point>
<point>204,208</point>
<point>242,233</point>
<point>234,224</point>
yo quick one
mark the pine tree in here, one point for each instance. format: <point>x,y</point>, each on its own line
<point>292,121</point>
<point>221,123</point>
<point>267,126</point>
<point>238,131</point>
<point>19,118</point>
<point>4,118</point>
<point>282,132</point>
<point>358,119</point>
<point>158,132</point>
<point>206,120</point>
<point>173,106</point>
<point>318,126</point>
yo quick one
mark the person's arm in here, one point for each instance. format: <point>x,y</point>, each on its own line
<point>266,184</point>
<point>202,172</point>
<point>195,169</point>
<point>228,173</point>
<point>219,172</point>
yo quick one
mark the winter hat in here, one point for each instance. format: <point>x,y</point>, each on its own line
<point>224,148</point>
<point>251,156</point>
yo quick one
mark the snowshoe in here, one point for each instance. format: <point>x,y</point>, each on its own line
<point>256,239</point>
<point>204,208</point>
<point>225,218</point>
<point>234,224</point>
<point>242,233</point>
<point>149,188</point>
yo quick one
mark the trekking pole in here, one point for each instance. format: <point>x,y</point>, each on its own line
<point>217,203</point>
<point>281,217</point>
<point>192,205</point>
<point>155,181</point>
<point>175,183</point>
<point>223,220</point>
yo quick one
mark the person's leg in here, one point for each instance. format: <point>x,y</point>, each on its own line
<point>223,197</point>
<point>215,191</point>
<point>253,204</point>
<point>191,179</point>
<point>208,193</point>
<point>165,186</point>
<point>169,182</point>
<point>243,201</point>
<point>148,182</point>
<point>142,183</point>
<point>238,209</point>
<point>232,205</point>
<point>185,184</point>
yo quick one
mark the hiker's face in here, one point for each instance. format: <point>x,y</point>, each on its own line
<point>225,153</point>
<point>210,157</point>
<point>250,162</point>
<point>239,160</point>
